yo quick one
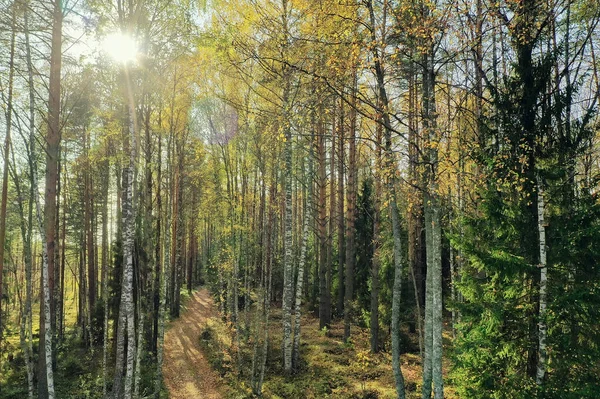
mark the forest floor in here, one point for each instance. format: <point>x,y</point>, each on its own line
<point>187,373</point>
<point>329,367</point>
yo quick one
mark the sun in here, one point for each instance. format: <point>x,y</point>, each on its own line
<point>120,47</point>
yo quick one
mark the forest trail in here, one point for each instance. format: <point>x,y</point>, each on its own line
<point>187,373</point>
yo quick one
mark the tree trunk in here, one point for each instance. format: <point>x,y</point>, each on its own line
<point>428,333</point>
<point>375,262</point>
<point>105,258</point>
<point>324,295</point>
<point>29,259</point>
<point>433,234</point>
<point>49,224</point>
<point>332,208</point>
<point>415,215</point>
<point>26,221</point>
<point>139,347</point>
<point>190,261</point>
<point>88,228</point>
<point>350,218</point>
<point>298,301</point>
<point>390,169</point>
<point>288,277</point>
<point>340,213</point>
<point>543,328</point>
<point>127,317</point>
<point>301,265</point>
<point>396,294</point>
<point>9,113</point>
<point>165,261</point>
<point>270,239</point>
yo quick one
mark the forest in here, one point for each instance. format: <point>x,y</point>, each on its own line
<point>300,199</point>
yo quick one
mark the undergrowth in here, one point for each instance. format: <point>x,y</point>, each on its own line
<point>329,367</point>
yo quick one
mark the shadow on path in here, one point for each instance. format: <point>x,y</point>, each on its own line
<point>187,374</point>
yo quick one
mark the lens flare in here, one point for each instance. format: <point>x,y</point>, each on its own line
<point>120,47</point>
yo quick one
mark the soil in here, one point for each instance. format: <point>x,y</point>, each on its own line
<point>187,373</point>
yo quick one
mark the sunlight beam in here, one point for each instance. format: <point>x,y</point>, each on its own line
<point>121,47</point>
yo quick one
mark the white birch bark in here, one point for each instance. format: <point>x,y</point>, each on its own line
<point>47,324</point>
<point>543,328</point>
<point>163,298</point>
<point>261,311</point>
<point>288,276</point>
<point>128,238</point>
<point>298,302</point>
<point>126,328</point>
<point>46,295</point>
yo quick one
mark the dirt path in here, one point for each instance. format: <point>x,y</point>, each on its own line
<point>186,371</point>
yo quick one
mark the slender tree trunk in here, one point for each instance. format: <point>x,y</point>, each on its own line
<point>415,215</point>
<point>158,277</point>
<point>46,374</point>
<point>26,224</point>
<point>340,213</point>
<point>332,208</point>
<point>261,270</point>
<point>166,258</point>
<point>428,333</point>
<point>288,277</point>
<point>119,345</point>
<point>47,336</point>
<point>390,169</point>
<point>324,295</point>
<point>104,279</point>
<point>88,228</point>
<point>140,346</point>
<point>29,261</point>
<point>436,287</point>
<point>543,327</point>
<point>63,261</point>
<point>301,265</point>
<point>453,290</point>
<point>434,236</point>
<point>375,262</point>
<point>396,295</point>
<point>49,225</point>
<point>82,283</point>
<point>126,313</point>
<point>350,220</point>
<point>271,239</point>
<point>179,230</point>
<point>298,301</point>
<point>9,113</point>
<point>190,261</point>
